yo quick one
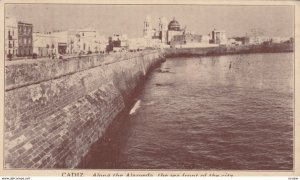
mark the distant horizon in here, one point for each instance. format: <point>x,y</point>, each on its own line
<point>237,21</point>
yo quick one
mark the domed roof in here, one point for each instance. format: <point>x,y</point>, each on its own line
<point>174,25</point>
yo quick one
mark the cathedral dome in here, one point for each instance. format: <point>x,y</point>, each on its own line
<point>174,25</point>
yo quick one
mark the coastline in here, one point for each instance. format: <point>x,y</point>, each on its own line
<point>228,50</point>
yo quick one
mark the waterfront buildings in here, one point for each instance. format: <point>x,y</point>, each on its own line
<point>61,41</point>
<point>173,35</point>
<point>234,42</point>
<point>50,43</point>
<point>11,38</point>
<point>117,43</point>
<point>101,43</point>
<point>21,41</point>
<point>219,37</point>
<point>280,39</point>
<point>174,30</point>
<point>148,31</point>
<point>85,40</point>
<point>135,44</point>
<point>255,40</point>
<point>68,42</point>
<point>25,47</point>
<point>18,38</point>
<point>190,40</point>
<point>44,44</point>
<point>165,32</point>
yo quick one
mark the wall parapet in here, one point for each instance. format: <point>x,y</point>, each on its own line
<point>25,72</point>
<point>56,109</point>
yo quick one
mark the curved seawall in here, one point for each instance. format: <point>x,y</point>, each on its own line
<point>224,50</point>
<point>56,109</point>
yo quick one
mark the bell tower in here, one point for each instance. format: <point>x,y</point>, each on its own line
<point>163,28</point>
<point>147,32</point>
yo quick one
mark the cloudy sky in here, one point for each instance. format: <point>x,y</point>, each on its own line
<point>128,19</point>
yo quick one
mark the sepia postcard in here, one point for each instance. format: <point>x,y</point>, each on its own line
<point>149,88</point>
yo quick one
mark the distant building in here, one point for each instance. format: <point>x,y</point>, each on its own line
<point>255,40</point>
<point>137,44</point>
<point>86,40</point>
<point>185,39</point>
<point>234,42</point>
<point>163,29</point>
<point>71,42</point>
<point>117,43</point>
<point>101,43</point>
<point>191,40</point>
<point>61,41</point>
<point>11,37</point>
<point>44,44</point>
<point>280,39</point>
<point>148,30</point>
<point>239,40</point>
<point>58,42</point>
<point>173,30</point>
<point>219,37</point>
<point>68,42</point>
<point>171,34</point>
<point>25,47</point>
<point>164,33</point>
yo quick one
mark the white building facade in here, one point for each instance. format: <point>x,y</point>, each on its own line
<point>11,37</point>
<point>219,37</point>
<point>45,44</point>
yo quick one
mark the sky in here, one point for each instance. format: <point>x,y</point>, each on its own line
<point>128,19</point>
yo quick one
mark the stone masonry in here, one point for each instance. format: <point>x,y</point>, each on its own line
<point>56,109</point>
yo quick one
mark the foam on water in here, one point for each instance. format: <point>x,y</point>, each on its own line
<point>136,106</point>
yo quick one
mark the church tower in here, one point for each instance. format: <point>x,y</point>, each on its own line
<point>163,28</point>
<point>148,31</point>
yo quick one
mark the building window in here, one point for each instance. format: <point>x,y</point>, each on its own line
<point>8,33</point>
<point>29,40</point>
<point>25,41</point>
<point>82,34</point>
<point>13,32</point>
<point>13,43</point>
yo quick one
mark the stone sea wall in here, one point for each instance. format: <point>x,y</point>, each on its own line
<point>223,50</point>
<point>56,109</point>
